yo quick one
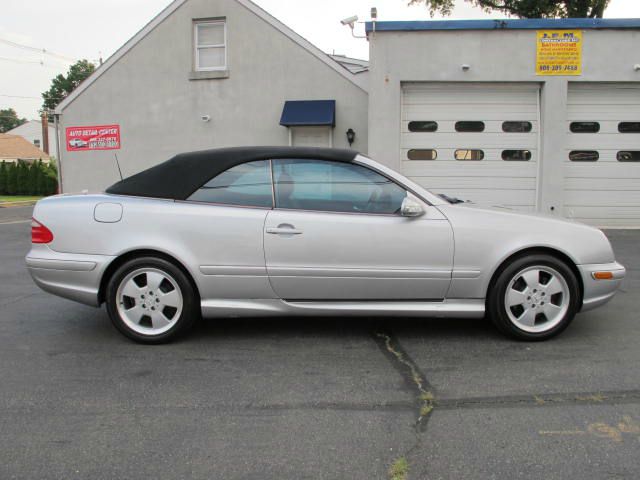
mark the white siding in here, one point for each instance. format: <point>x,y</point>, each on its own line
<point>491,180</point>
<point>605,192</point>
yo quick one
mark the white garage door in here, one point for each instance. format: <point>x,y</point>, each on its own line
<point>476,142</point>
<point>602,161</point>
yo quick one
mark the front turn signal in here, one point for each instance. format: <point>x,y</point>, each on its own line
<point>602,275</point>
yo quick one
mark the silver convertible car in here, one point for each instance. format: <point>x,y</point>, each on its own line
<point>309,231</point>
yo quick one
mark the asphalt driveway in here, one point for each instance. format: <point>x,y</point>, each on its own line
<point>313,398</point>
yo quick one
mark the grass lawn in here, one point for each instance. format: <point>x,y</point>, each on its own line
<point>18,198</point>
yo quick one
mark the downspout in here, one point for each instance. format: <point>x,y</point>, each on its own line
<point>59,156</point>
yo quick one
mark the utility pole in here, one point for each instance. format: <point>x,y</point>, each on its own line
<point>45,132</point>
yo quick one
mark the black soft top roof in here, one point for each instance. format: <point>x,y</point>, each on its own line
<point>183,174</point>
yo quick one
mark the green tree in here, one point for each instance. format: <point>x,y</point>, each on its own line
<point>62,85</point>
<point>3,178</point>
<point>33,179</point>
<point>9,119</point>
<point>526,8</point>
<point>22,178</point>
<point>12,179</point>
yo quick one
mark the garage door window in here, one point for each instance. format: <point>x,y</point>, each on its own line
<point>466,126</point>
<point>469,154</point>
<point>584,156</point>
<point>248,185</point>
<point>584,127</point>
<point>423,126</point>
<point>629,127</point>
<point>334,187</point>
<point>629,156</point>
<point>516,127</point>
<point>516,155</point>
<point>422,154</point>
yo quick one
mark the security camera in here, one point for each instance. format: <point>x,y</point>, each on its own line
<point>349,21</point>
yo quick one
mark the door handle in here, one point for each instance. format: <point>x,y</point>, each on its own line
<point>284,229</point>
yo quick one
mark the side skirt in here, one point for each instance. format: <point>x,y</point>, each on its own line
<point>229,308</point>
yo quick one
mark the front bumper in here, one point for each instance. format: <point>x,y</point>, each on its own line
<point>599,292</point>
<point>69,275</point>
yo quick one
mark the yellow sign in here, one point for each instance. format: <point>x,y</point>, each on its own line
<point>559,52</point>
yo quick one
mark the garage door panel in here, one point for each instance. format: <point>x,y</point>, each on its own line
<point>602,198</point>
<point>605,192</point>
<point>622,141</point>
<point>605,184</point>
<point>599,171</point>
<point>453,112</point>
<point>481,141</point>
<point>502,183</point>
<point>610,114</point>
<point>455,169</point>
<point>491,126</point>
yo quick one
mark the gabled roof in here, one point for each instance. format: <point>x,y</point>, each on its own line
<point>16,147</point>
<point>172,7</point>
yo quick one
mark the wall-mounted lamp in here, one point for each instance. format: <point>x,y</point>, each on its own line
<point>205,118</point>
<point>351,136</point>
<point>636,67</point>
<point>465,67</point>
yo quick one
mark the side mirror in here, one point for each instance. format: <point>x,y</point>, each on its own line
<point>411,208</point>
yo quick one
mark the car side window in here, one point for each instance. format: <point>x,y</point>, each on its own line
<point>247,184</point>
<point>334,187</point>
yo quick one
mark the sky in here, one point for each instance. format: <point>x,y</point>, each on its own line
<point>75,29</point>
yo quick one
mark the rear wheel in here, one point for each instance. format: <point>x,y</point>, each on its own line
<point>150,300</point>
<point>535,297</point>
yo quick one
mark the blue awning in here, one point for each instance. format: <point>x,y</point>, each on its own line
<point>308,112</point>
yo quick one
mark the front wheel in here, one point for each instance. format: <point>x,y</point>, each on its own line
<point>535,297</point>
<point>150,300</point>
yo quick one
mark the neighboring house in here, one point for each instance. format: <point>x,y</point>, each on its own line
<point>532,114</point>
<point>32,131</point>
<point>14,148</point>
<point>354,65</point>
<point>206,74</point>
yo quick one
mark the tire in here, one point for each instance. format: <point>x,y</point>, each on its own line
<point>534,298</point>
<point>151,300</point>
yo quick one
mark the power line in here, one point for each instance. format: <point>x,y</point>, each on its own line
<point>25,96</point>
<point>34,62</point>
<point>34,49</point>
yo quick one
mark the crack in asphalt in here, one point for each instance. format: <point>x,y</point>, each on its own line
<point>413,377</point>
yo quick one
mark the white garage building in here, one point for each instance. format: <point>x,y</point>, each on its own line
<point>480,115</point>
<point>537,115</point>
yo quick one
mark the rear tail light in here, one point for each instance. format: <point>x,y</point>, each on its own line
<point>40,233</point>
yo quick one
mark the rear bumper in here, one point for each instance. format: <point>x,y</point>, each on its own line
<point>69,275</point>
<point>599,292</point>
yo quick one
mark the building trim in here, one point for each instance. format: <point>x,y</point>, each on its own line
<point>505,24</point>
<point>170,9</point>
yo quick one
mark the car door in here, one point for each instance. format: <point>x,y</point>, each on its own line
<point>337,234</point>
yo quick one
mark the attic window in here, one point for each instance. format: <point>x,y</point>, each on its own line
<point>210,41</point>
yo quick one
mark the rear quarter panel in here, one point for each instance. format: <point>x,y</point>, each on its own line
<point>197,235</point>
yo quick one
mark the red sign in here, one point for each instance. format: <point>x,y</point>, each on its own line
<point>101,137</point>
